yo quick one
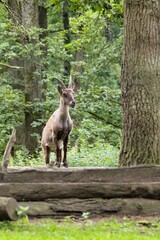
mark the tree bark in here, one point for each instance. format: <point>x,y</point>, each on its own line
<point>8,207</point>
<point>140,84</point>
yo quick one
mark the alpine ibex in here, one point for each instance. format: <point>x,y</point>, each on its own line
<point>56,132</point>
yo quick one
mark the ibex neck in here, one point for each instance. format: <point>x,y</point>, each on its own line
<point>64,110</point>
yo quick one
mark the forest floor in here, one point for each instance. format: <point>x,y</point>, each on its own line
<point>85,228</point>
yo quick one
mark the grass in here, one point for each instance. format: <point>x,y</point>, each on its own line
<point>67,229</point>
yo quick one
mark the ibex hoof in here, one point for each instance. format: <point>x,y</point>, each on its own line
<point>47,165</point>
<point>51,164</point>
<point>65,164</point>
<point>57,164</point>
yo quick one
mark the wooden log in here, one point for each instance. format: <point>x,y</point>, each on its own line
<point>8,207</point>
<point>43,191</point>
<point>1,174</point>
<point>140,207</point>
<point>71,206</point>
<point>111,175</point>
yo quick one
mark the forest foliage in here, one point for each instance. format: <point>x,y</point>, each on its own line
<point>96,32</point>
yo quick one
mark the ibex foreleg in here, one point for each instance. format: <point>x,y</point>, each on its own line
<point>58,156</point>
<point>46,153</point>
<point>65,143</point>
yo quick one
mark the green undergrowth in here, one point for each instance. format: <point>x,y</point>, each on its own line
<point>95,155</point>
<point>110,229</point>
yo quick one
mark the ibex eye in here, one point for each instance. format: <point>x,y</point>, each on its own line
<point>64,94</point>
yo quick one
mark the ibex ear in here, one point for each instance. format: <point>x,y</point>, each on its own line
<point>74,88</point>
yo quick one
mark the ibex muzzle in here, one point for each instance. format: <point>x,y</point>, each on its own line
<point>56,132</point>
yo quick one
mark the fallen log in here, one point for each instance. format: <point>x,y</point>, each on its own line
<point>43,191</point>
<point>139,174</point>
<point>8,207</point>
<point>71,206</point>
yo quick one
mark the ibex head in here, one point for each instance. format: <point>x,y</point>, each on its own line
<point>67,93</point>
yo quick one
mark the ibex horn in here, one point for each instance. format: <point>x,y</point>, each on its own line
<point>62,84</point>
<point>70,82</point>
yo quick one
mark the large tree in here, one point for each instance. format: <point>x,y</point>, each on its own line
<point>140,81</point>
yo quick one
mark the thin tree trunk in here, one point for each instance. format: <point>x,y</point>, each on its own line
<point>78,69</point>
<point>43,37</point>
<point>141,84</point>
<point>67,65</point>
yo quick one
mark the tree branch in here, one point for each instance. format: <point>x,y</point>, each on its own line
<point>102,119</point>
<point>55,31</point>
<point>9,66</point>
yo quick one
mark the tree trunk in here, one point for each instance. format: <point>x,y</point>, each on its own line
<point>140,84</point>
<point>31,77</point>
